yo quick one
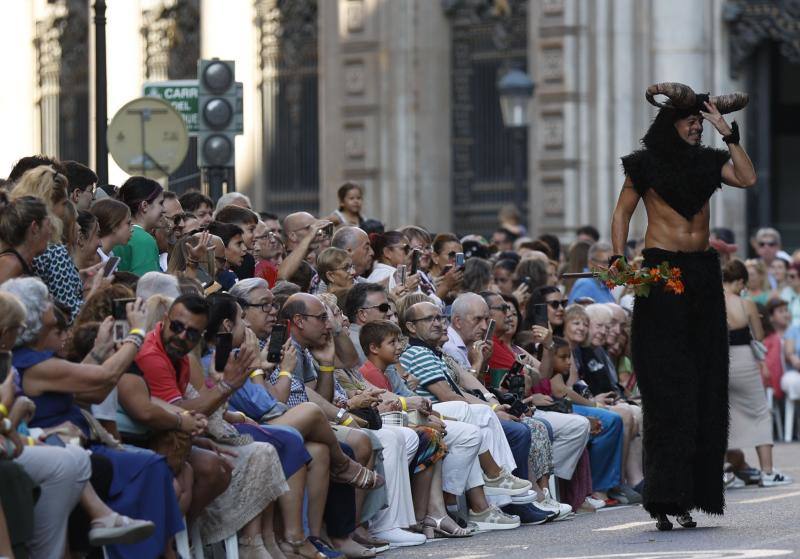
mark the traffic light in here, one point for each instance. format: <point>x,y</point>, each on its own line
<point>220,112</point>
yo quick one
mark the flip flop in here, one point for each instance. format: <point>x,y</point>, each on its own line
<point>118,529</point>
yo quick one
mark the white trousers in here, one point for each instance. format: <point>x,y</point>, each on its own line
<point>571,432</point>
<point>399,448</point>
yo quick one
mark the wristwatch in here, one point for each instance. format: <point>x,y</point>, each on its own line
<point>340,415</point>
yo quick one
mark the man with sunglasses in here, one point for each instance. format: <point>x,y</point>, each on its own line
<point>767,243</point>
<point>365,302</point>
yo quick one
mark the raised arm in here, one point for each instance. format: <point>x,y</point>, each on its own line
<point>621,220</point>
<point>739,172</point>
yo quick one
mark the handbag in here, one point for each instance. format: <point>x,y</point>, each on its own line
<point>370,415</point>
<point>559,405</point>
<point>757,347</point>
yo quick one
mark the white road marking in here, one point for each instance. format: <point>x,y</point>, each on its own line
<point>622,526</point>
<point>716,554</point>
<point>766,499</point>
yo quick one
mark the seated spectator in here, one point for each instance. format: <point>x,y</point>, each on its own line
<point>478,276</point>
<point>25,230</point>
<point>503,273</point>
<point>145,199</point>
<point>336,271</point>
<point>446,276</point>
<point>556,303</point>
<point>303,237</point>
<point>356,243</point>
<point>269,249</point>
<point>391,250</point>
<point>791,293</point>
<point>789,384</point>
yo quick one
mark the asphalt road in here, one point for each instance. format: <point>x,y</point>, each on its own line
<point>759,522</point>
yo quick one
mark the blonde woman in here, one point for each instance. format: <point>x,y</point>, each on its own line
<point>757,286</point>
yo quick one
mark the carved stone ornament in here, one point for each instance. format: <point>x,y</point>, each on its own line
<point>502,14</point>
<point>753,22</point>
<point>171,33</point>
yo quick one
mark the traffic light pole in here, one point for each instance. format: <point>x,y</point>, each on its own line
<point>100,102</point>
<point>217,181</point>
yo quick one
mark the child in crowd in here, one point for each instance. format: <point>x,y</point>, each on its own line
<point>380,341</point>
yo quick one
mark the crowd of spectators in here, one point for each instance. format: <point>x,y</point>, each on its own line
<point>315,386</point>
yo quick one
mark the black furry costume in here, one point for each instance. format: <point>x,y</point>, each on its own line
<point>680,342</point>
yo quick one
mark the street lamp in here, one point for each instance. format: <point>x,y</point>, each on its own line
<point>516,90</point>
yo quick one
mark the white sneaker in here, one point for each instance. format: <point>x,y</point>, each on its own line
<point>775,479</point>
<point>732,481</point>
<point>400,538</point>
<point>499,500</point>
<point>563,510</point>
<point>505,484</point>
<point>525,498</point>
<point>596,503</point>
<point>493,519</point>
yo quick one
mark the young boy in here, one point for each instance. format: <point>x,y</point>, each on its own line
<point>380,341</point>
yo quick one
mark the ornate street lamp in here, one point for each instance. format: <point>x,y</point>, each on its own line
<point>516,90</point>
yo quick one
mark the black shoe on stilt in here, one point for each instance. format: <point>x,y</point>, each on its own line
<point>686,520</point>
<point>662,523</point>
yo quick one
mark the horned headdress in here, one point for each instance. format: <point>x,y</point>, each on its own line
<point>681,97</point>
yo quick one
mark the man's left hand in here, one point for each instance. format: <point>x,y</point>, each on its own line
<point>325,354</point>
<point>715,117</point>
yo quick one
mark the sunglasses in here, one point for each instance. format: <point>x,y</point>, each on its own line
<point>265,307</point>
<point>763,244</point>
<point>504,308</point>
<point>177,327</point>
<point>383,307</point>
<point>555,304</point>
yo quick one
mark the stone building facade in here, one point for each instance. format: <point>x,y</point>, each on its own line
<point>401,96</point>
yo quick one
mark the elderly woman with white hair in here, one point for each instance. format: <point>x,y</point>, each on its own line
<point>142,482</point>
<point>596,368</point>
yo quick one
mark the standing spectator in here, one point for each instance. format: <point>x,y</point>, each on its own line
<point>351,199</point>
<point>504,239</point>
<point>232,199</point>
<point>247,221</point>
<point>778,363</point>
<point>114,223</point>
<point>790,381</point>
<point>82,181</point>
<point>303,236</point>
<point>199,205</point>
<point>510,219</point>
<point>233,253</point>
<point>587,233</point>
<point>25,230</point>
<point>84,253</point>
<point>356,243</point>
<point>598,256</point>
<point>758,287</point>
<point>791,293</point>
<point>767,243</point>
<point>577,261</point>
<point>503,272</point>
<point>751,420</point>
<point>778,270</point>
<point>145,198</point>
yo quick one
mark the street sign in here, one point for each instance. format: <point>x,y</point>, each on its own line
<point>148,137</point>
<point>182,95</point>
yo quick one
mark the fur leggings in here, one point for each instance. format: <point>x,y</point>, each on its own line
<point>680,355</point>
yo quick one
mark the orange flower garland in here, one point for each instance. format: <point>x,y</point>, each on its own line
<point>641,280</point>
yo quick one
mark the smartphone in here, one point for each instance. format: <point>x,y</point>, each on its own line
<point>489,330</point>
<point>459,262</point>
<point>276,341</point>
<point>5,365</point>
<point>120,315</point>
<point>415,261</point>
<point>110,266</point>
<point>54,440</point>
<point>223,350</point>
<point>540,315</point>
<point>527,281</point>
<point>401,271</point>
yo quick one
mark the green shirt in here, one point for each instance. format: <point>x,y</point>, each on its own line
<point>140,255</point>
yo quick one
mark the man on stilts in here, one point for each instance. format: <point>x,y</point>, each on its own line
<point>680,341</point>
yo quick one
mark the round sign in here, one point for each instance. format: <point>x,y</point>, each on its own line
<point>148,137</point>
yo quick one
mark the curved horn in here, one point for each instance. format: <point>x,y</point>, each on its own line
<point>731,102</point>
<point>680,96</point>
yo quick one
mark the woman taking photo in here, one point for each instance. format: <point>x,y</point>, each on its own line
<point>445,274</point>
<point>751,420</point>
<point>391,250</point>
<point>145,199</point>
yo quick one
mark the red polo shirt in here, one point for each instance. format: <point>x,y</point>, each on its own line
<point>375,376</point>
<point>159,372</point>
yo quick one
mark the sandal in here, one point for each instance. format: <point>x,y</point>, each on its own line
<point>355,550</point>
<point>252,547</point>
<point>370,541</point>
<point>294,550</point>
<point>364,478</point>
<point>118,529</point>
<point>325,548</point>
<point>438,530</point>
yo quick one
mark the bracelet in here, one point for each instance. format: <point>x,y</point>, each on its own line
<point>347,421</point>
<point>224,387</point>
<point>257,373</point>
<point>326,368</point>
<point>96,356</point>
<point>494,406</point>
<point>3,410</point>
<point>136,332</point>
<point>135,340</point>
<point>242,414</point>
<point>551,346</point>
<point>403,403</point>
<point>733,137</point>
<point>31,441</point>
<point>191,261</point>
<point>284,374</point>
<point>179,423</point>
<point>5,425</point>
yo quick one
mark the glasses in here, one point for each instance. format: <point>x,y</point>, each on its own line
<point>383,307</point>
<point>763,244</point>
<point>504,308</point>
<point>406,248</point>
<point>177,327</point>
<point>321,317</point>
<point>555,304</point>
<point>265,307</point>
<point>348,268</point>
<point>433,318</point>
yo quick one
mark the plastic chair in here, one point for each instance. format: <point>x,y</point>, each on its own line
<point>230,545</point>
<point>788,419</point>
<point>776,414</point>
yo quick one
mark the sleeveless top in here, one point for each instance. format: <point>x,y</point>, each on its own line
<point>26,269</point>
<point>739,336</point>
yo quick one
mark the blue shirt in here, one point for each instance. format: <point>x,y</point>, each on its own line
<point>591,287</point>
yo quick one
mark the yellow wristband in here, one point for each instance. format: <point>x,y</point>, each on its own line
<point>137,331</point>
<point>494,406</point>
<point>31,442</point>
<point>3,411</point>
<point>403,403</point>
<point>347,421</point>
<point>257,373</point>
<point>326,368</point>
<point>284,374</point>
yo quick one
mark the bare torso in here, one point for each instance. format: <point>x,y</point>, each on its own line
<point>669,230</point>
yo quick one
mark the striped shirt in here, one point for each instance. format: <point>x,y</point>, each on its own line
<point>428,367</point>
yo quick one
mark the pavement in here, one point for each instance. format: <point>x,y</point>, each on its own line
<point>759,522</point>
